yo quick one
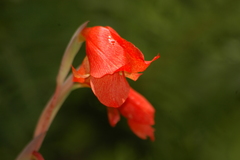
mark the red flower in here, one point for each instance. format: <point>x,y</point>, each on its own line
<point>139,113</point>
<point>109,60</point>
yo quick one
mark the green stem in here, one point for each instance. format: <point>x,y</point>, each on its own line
<point>54,105</point>
<point>47,117</point>
<point>63,89</point>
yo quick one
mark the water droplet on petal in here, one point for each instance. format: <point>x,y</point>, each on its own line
<point>111,41</point>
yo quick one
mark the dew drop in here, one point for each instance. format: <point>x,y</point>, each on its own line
<point>111,41</point>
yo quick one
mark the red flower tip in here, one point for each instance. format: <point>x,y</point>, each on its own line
<point>36,156</point>
<point>142,130</point>
<point>138,109</point>
<point>113,116</point>
<point>139,113</point>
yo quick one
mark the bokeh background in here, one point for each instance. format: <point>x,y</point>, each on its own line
<point>194,86</point>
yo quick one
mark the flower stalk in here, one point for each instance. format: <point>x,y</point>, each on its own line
<point>64,86</point>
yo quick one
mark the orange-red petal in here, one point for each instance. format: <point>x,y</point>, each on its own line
<point>111,90</point>
<point>133,76</point>
<point>36,156</point>
<point>113,116</point>
<point>82,73</point>
<point>135,58</point>
<point>142,130</point>
<point>138,109</point>
<point>105,55</point>
<point>109,53</point>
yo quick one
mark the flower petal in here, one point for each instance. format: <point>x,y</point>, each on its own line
<point>113,116</point>
<point>111,90</point>
<point>141,130</point>
<point>136,62</point>
<point>105,55</point>
<point>133,76</point>
<point>36,156</point>
<point>82,73</point>
<point>138,109</point>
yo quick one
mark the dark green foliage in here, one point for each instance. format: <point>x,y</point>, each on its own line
<point>194,86</point>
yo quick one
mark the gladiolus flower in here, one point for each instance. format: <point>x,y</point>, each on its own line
<point>139,113</point>
<point>110,59</point>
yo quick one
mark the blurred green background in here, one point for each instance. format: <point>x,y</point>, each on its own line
<point>194,86</point>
